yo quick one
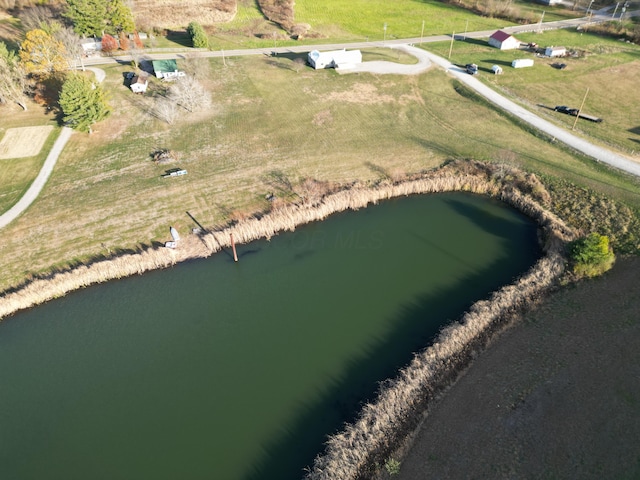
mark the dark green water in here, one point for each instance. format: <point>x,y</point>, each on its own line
<point>216,370</point>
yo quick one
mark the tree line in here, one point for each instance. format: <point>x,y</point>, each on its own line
<point>52,45</point>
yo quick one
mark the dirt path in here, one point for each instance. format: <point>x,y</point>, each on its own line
<point>557,396</point>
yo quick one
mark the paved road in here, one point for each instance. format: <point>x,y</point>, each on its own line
<point>597,17</point>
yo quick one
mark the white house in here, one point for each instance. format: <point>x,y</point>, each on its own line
<point>91,45</point>
<point>503,41</point>
<point>334,59</point>
<point>555,51</point>
<point>139,84</point>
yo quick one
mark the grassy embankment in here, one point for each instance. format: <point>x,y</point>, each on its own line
<point>272,128</point>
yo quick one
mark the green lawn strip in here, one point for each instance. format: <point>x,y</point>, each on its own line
<point>403,18</point>
<point>17,174</point>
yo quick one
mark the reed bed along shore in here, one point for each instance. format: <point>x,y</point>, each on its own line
<point>501,182</point>
<point>383,424</point>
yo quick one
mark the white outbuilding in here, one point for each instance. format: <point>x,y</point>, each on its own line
<point>334,59</point>
<point>504,41</point>
<point>139,84</point>
<point>522,62</point>
<point>555,51</point>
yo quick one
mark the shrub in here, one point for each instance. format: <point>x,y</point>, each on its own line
<point>392,466</point>
<point>109,44</point>
<point>591,255</point>
<point>198,35</point>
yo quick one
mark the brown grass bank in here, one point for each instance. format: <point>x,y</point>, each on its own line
<point>501,182</point>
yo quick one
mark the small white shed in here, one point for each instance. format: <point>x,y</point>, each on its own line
<point>522,62</point>
<point>555,51</point>
<point>496,69</point>
<point>139,84</point>
<point>334,59</point>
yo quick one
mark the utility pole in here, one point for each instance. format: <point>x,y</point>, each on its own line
<point>453,36</point>
<point>223,60</point>
<point>384,38</point>
<point>466,27</point>
<point>615,10</point>
<point>580,109</point>
<point>422,32</point>
<point>540,23</point>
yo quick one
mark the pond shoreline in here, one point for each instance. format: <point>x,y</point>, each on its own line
<point>362,447</point>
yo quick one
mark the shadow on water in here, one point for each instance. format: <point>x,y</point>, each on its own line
<point>419,322</point>
<point>483,219</point>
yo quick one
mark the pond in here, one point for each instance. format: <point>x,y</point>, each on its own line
<point>239,371</point>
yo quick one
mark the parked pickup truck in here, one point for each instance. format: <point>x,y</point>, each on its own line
<point>567,110</point>
<point>472,68</point>
<point>576,113</point>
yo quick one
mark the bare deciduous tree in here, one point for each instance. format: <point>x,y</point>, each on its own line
<point>190,94</point>
<point>298,63</point>
<point>40,16</point>
<point>166,110</point>
<point>71,42</point>
<point>13,79</point>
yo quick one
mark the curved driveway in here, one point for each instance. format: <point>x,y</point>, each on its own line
<point>384,67</point>
<point>37,185</point>
<point>560,134</point>
<point>425,60</point>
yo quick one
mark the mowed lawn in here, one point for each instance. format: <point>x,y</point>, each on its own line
<point>271,126</point>
<point>403,18</point>
<point>608,68</point>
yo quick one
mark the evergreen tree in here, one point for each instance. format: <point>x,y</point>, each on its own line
<point>82,102</point>
<point>198,35</point>
<point>88,16</point>
<point>119,18</point>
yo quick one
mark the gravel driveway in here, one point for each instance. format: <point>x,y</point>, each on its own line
<point>382,67</point>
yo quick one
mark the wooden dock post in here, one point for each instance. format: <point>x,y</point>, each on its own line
<point>233,247</point>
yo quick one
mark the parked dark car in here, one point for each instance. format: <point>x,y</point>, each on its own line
<point>472,68</point>
<point>567,110</point>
